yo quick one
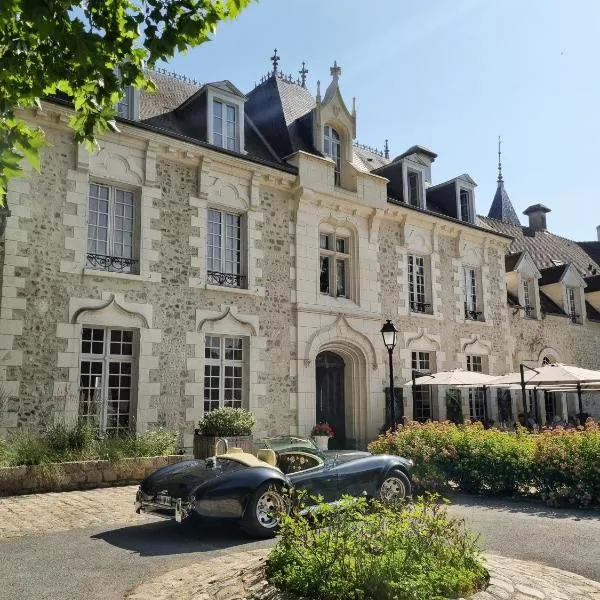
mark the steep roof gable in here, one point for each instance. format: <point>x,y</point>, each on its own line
<point>502,208</point>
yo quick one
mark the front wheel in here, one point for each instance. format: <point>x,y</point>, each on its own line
<point>262,512</point>
<point>394,487</point>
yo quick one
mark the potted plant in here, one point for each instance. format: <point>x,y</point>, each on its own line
<point>321,434</point>
<point>233,424</point>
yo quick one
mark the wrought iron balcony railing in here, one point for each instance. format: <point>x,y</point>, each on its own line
<point>529,311</point>
<point>114,264</point>
<point>473,315</point>
<point>226,279</point>
<point>574,318</point>
<point>421,307</point>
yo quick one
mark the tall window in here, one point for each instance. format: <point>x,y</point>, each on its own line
<point>224,265</point>
<point>466,213</point>
<point>332,147</point>
<point>574,317</point>
<point>528,290</point>
<point>225,126</point>
<point>106,378</point>
<point>223,372</point>
<point>476,397</point>
<point>417,284</point>
<point>422,400</point>
<point>334,257</point>
<point>111,229</point>
<point>471,294</point>
<point>414,188</point>
<point>125,107</point>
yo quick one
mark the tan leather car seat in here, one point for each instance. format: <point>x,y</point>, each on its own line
<point>268,456</point>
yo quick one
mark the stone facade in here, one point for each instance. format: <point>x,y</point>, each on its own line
<point>49,292</point>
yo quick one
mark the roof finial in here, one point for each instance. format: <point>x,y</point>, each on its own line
<point>318,97</point>
<point>386,150</point>
<point>335,72</point>
<point>275,59</point>
<point>499,160</point>
<point>303,72</point>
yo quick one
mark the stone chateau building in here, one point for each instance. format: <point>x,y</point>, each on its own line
<point>240,249</point>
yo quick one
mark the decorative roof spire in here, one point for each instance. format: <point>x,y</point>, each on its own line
<point>318,96</point>
<point>386,150</point>
<point>335,72</point>
<point>303,72</point>
<point>500,180</point>
<point>275,60</point>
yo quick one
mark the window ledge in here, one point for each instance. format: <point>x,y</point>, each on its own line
<point>414,313</point>
<point>114,275</point>
<point>472,322</point>
<point>232,290</point>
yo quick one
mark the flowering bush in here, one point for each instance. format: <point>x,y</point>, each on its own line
<point>322,429</point>
<point>559,466</point>
<point>227,422</point>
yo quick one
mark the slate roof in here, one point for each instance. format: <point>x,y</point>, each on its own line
<point>502,208</point>
<point>549,307</point>
<point>169,94</point>
<point>366,161</point>
<point>593,283</point>
<point>592,313</point>
<point>544,247</point>
<point>511,260</point>
<point>552,274</point>
<point>593,249</point>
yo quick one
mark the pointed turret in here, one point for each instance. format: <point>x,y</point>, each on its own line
<point>502,208</point>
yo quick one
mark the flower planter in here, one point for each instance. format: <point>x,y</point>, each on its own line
<point>206,445</point>
<point>322,441</point>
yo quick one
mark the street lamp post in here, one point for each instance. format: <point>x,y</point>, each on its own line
<point>389,334</point>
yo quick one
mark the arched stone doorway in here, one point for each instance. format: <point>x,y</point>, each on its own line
<point>330,398</point>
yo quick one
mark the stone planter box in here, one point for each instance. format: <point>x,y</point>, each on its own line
<point>68,476</point>
<point>204,445</point>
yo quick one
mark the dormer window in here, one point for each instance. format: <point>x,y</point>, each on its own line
<point>129,106</point>
<point>225,125</point>
<point>528,296</point>
<point>466,212</point>
<point>414,188</point>
<point>332,147</point>
<point>572,308</point>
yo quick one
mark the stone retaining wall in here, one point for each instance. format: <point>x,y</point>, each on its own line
<point>82,475</point>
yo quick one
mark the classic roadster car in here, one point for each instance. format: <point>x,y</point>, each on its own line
<point>249,488</point>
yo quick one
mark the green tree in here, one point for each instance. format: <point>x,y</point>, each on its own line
<point>75,48</point>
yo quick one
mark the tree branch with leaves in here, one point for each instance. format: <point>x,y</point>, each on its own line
<point>88,51</point>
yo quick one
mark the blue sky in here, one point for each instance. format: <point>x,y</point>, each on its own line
<point>449,75</point>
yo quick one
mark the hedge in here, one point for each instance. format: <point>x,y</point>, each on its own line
<point>558,466</point>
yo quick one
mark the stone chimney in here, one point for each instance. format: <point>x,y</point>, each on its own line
<point>537,217</point>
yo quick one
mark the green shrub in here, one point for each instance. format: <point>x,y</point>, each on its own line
<point>78,441</point>
<point>227,422</point>
<point>558,466</point>
<point>361,551</point>
<point>3,453</point>
<point>26,447</point>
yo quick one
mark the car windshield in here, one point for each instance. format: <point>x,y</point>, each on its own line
<point>280,444</point>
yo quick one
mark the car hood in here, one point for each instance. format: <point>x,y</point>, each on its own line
<point>343,456</point>
<point>180,479</point>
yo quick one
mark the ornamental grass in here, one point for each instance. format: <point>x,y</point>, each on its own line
<point>559,466</point>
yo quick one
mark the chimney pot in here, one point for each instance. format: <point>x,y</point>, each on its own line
<point>537,217</point>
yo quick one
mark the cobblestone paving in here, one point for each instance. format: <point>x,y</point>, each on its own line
<point>42,513</point>
<point>239,577</point>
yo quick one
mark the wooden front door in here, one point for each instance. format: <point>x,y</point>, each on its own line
<point>330,396</point>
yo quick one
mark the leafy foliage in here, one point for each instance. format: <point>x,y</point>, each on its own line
<point>558,466</point>
<point>75,48</point>
<point>362,551</point>
<point>80,441</point>
<point>227,422</point>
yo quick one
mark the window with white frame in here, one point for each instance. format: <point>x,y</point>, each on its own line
<point>112,243</point>
<point>224,251</point>
<point>414,188</point>
<point>106,378</point>
<point>572,306</point>
<point>418,284</point>
<point>334,259</point>
<point>528,287</point>
<point>422,394</point>
<point>126,106</point>
<point>471,294</point>
<point>476,396</point>
<point>332,147</point>
<point>466,210</point>
<point>224,372</point>
<point>225,127</point>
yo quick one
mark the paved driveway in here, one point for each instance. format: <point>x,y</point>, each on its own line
<point>91,544</point>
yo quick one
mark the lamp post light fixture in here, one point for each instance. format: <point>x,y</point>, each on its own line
<point>389,334</point>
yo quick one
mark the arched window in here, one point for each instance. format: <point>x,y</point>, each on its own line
<point>332,147</point>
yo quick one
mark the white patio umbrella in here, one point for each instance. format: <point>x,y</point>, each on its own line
<point>456,378</point>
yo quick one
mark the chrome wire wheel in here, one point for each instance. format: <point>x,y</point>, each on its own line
<point>268,507</point>
<point>392,489</point>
